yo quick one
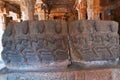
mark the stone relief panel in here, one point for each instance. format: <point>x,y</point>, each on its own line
<point>94,40</point>
<point>47,44</point>
<point>35,45</point>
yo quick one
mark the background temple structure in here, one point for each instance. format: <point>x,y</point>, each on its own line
<point>59,9</point>
<point>59,40</point>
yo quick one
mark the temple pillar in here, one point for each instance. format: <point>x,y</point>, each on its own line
<point>39,10</point>
<point>24,10</point>
<point>82,9</point>
<point>27,9</point>
<point>90,9</point>
<point>96,9</point>
<point>2,10</point>
<point>93,9</point>
<point>2,27</point>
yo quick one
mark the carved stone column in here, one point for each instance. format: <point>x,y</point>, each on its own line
<point>93,9</point>
<point>96,9</point>
<point>31,4</point>
<point>90,9</point>
<point>27,9</point>
<point>2,14</point>
<point>24,10</point>
<point>39,11</point>
<point>82,9</point>
<point>2,27</point>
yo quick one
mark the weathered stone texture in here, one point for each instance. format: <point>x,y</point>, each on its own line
<point>36,44</point>
<point>38,76</point>
<point>94,40</point>
<point>98,75</point>
<point>116,74</point>
<point>32,46</point>
<point>105,74</point>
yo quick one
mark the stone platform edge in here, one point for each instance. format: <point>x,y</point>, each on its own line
<point>98,74</point>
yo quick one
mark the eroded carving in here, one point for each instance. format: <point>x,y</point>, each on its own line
<point>98,40</point>
<point>37,44</point>
<point>46,44</point>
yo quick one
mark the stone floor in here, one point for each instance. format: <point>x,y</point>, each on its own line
<point>101,74</point>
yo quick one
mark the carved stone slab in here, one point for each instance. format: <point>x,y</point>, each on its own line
<point>102,74</point>
<point>93,40</point>
<point>36,45</point>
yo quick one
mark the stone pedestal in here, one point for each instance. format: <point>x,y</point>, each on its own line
<point>101,74</point>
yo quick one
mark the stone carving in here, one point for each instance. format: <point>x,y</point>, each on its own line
<point>94,40</point>
<point>54,44</point>
<point>36,45</point>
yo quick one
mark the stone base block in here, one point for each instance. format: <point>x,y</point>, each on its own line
<point>103,74</point>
